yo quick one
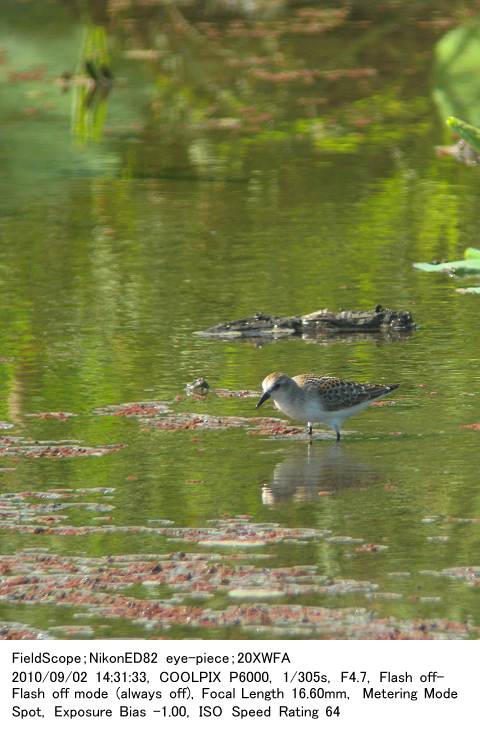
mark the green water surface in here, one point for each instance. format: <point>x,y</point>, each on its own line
<point>123,234</point>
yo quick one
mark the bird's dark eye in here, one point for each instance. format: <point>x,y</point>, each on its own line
<point>274,388</point>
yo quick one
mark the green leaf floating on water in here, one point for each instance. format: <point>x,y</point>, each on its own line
<point>463,266</point>
<point>467,132</point>
<point>470,264</point>
<point>471,253</point>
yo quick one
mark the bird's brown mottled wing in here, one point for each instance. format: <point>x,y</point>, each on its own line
<point>337,394</point>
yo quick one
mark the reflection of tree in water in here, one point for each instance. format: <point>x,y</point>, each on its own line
<point>303,475</point>
<point>90,97</point>
<point>268,70</point>
<point>95,12</point>
<point>211,83</point>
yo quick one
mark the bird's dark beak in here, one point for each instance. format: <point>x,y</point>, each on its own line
<point>263,398</point>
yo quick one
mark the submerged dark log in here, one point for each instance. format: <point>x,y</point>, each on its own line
<point>257,326</point>
<point>320,322</point>
<point>359,321</point>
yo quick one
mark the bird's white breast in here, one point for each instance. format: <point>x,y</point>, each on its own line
<point>311,409</point>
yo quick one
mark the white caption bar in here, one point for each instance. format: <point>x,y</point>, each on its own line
<point>265,684</point>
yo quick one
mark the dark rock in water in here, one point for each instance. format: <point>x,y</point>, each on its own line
<point>322,322</point>
<point>258,326</point>
<point>199,387</point>
<point>360,321</point>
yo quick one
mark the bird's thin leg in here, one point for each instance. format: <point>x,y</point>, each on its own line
<point>339,436</point>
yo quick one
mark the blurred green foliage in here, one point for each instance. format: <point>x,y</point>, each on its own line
<point>457,85</point>
<point>467,132</point>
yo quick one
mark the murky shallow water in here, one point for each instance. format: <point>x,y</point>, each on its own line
<point>113,253</point>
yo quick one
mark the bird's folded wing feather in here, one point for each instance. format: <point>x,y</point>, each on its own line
<point>338,394</point>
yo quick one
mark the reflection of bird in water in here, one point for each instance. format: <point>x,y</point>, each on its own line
<point>302,476</point>
<point>320,398</point>
<point>97,80</point>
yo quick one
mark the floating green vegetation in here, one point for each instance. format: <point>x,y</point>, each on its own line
<point>462,266</point>
<point>472,253</point>
<point>469,265</point>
